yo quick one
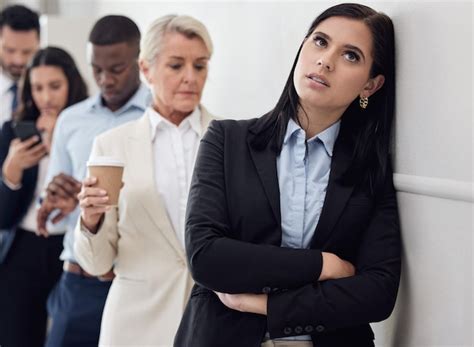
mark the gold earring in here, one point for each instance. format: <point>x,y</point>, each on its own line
<point>363,102</point>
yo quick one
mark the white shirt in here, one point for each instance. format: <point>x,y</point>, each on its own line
<point>29,220</point>
<point>6,97</point>
<point>174,154</point>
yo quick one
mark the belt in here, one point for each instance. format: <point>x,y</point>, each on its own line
<point>78,270</point>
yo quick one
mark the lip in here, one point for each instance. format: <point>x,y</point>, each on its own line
<point>48,109</point>
<point>187,94</point>
<point>109,94</point>
<point>319,79</point>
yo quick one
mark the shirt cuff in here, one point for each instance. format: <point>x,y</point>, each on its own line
<point>10,185</point>
<point>87,232</point>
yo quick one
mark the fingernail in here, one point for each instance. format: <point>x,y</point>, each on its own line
<point>103,192</point>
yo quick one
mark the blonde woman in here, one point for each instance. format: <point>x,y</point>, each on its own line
<point>143,238</point>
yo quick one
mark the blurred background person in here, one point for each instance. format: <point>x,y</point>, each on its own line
<point>76,303</point>
<point>143,238</point>
<point>19,40</point>
<point>31,266</point>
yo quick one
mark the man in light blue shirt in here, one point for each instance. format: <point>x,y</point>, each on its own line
<point>76,303</point>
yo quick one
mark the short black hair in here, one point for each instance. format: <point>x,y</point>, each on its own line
<point>20,18</point>
<point>114,29</point>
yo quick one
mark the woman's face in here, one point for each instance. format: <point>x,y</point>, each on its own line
<point>178,74</point>
<point>334,65</point>
<point>49,88</point>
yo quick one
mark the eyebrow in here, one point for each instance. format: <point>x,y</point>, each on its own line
<point>348,46</point>
<point>181,58</point>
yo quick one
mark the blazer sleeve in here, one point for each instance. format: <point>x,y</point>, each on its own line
<point>369,296</point>
<point>220,262</point>
<point>96,253</point>
<point>13,203</point>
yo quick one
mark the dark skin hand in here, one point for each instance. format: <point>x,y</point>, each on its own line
<point>64,186</point>
<point>61,195</point>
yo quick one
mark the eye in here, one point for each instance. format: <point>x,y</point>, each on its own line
<point>175,66</point>
<point>117,69</point>
<point>351,56</point>
<point>320,41</point>
<point>56,86</point>
<point>200,67</point>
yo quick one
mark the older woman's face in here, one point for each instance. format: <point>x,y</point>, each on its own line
<point>178,75</point>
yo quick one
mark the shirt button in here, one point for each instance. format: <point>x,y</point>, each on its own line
<point>320,328</point>
<point>287,331</point>
<point>298,330</point>
<point>309,328</point>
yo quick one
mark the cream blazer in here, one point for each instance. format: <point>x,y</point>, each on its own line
<point>152,285</point>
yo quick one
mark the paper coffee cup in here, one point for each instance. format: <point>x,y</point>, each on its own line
<point>109,173</point>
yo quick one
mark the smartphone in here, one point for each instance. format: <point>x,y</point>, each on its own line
<point>26,129</point>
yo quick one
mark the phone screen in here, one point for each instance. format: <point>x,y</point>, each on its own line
<point>26,129</point>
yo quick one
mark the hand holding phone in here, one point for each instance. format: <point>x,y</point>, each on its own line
<point>22,156</point>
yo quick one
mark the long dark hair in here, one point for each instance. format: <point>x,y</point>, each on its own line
<point>50,56</point>
<point>369,130</point>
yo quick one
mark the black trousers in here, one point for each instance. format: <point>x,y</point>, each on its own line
<point>27,275</point>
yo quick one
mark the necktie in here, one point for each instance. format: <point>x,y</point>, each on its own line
<point>14,90</point>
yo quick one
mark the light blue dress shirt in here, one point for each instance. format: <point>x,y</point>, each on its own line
<point>303,168</point>
<point>73,137</point>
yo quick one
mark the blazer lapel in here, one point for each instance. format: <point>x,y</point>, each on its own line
<point>140,159</point>
<point>265,163</point>
<point>337,194</point>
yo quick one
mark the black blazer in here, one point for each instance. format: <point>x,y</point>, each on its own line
<point>14,204</point>
<point>233,237</point>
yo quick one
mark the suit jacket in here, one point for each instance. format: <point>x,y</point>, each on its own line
<point>147,298</point>
<point>13,203</point>
<point>233,238</point>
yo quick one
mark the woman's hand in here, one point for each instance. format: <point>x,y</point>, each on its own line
<point>92,202</point>
<point>335,267</point>
<point>22,155</point>
<point>251,303</point>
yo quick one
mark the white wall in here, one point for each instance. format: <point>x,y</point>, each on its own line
<point>255,44</point>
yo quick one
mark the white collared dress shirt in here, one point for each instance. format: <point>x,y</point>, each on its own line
<point>174,154</point>
<point>6,97</point>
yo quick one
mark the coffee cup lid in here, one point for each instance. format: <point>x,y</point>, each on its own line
<point>105,161</point>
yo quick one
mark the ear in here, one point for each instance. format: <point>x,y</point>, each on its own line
<point>145,69</point>
<point>372,86</point>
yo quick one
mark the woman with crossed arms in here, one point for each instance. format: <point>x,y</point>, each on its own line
<point>283,206</point>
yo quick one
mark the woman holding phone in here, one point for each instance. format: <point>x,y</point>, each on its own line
<point>31,265</point>
<point>282,208</point>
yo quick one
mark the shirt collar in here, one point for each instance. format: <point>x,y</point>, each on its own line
<point>157,121</point>
<point>141,99</point>
<point>327,137</point>
<point>5,83</point>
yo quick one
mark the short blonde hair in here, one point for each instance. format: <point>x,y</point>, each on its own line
<point>186,25</point>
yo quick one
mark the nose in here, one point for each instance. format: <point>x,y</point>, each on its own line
<point>46,97</point>
<point>20,59</point>
<point>189,75</point>
<point>326,62</point>
<point>105,79</point>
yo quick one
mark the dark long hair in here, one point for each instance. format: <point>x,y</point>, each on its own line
<point>50,56</point>
<point>368,130</point>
